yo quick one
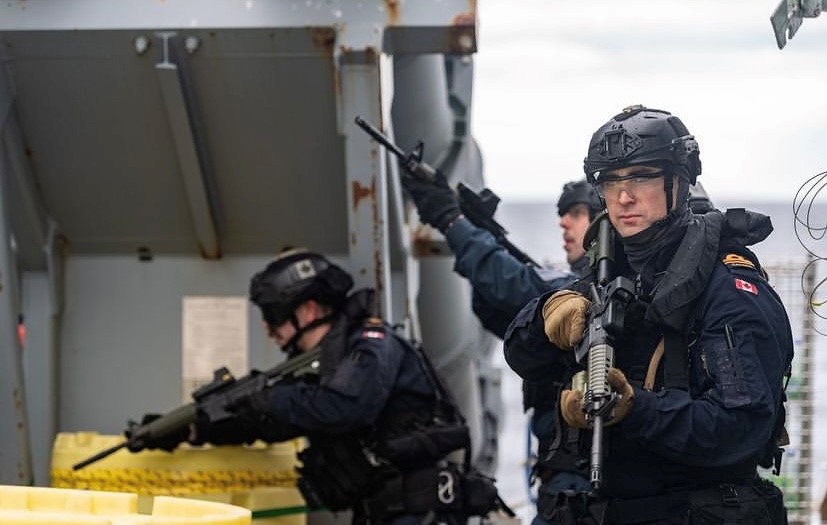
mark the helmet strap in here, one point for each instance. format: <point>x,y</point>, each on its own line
<point>291,346</point>
<point>667,189</point>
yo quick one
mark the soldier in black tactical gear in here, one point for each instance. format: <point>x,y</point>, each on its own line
<point>502,284</point>
<point>380,424</point>
<point>700,352</point>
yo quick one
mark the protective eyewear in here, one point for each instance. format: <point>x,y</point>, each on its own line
<point>633,184</point>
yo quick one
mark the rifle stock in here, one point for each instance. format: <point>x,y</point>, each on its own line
<point>214,402</point>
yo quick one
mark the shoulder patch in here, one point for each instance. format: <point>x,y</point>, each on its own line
<point>372,333</point>
<point>733,260</point>
<point>746,286</point>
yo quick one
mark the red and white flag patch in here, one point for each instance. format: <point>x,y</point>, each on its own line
<point>746,286</point>
<point>373,334</point>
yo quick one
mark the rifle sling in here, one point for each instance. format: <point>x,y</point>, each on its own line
<point>675,370</point>
<point>651,372</point>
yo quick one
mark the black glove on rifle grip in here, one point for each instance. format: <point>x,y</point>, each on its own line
<point>435,201</point>
<point>168,442</point>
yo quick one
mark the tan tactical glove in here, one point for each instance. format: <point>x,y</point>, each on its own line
<point>571,407</point>
<point>571,401</point>
<point>565,316</point>
<point>626,395</point>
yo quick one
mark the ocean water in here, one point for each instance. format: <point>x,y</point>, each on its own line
<point>533,226</point>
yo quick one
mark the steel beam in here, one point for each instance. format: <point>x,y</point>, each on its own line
<point>15,456</point>
<point>27,214</point>
<point>360,74</point>
<point>421,26</point>
<point>193,160</point>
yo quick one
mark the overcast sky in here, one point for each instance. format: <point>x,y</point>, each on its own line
<point>549,72</point>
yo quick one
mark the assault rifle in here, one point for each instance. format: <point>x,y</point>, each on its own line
<point>609,297</point>
<point>478,208</point>
<point>212,403</point>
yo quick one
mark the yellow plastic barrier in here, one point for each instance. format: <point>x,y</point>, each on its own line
<point>46,506</point>
<point>260,477</point>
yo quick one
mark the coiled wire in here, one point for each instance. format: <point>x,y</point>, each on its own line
<point>809,229</point>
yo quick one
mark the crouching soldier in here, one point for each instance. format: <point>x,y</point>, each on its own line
<point>379,423</point>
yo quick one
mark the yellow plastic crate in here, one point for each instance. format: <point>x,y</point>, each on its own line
<point>46,506</point>
<point>259,477</point>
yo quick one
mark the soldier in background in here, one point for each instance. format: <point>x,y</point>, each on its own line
<point>502,285</point>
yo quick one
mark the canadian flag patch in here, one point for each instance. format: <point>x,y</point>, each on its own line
<point>373,334</point>
<point>746,286</point>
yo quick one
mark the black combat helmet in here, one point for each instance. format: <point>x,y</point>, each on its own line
<point>579,192</point>
<point>296,276</point>
<point>653,137</point>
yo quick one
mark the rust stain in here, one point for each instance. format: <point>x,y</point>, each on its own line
<point>468,18</point>
<point>377,248</point>
<point>18,399</point>
<point>360,192</point>
<point>465,19</point>
<point>324,39</point>
<point>393,11</point>
<point>423,241</point>
<point>353,239</point>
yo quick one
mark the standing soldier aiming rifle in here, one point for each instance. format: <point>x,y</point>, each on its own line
<point>692,397</point>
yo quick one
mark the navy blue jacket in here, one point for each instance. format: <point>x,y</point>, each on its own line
<point>501,283</point>
<point>721,426</point>
<point>376,373</point>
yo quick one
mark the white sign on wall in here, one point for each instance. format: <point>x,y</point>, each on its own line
<point>214,335</point>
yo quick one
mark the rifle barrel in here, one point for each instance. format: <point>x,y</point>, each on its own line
<point>99,456</point>
<point>379,137</point>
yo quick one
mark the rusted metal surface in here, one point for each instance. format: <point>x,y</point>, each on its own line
<point>379,232</point>
<point>424,243</point>
<point>362,192</point>
<point>392,7</point>
<point>324,39</point>
<point>367,56</point>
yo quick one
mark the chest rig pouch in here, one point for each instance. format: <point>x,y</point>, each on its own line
<point>336,473</point>
<point>417,446</point>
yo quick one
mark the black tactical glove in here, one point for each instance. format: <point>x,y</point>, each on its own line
<point>168,442</point>
<point>435,200</point>
<point>249,420</point>
<point>232,431</point>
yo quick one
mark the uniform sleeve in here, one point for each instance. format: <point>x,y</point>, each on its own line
<point>527,349</point>
<point>500,279</point>
<point>351,398</point>
<point>736,381</point>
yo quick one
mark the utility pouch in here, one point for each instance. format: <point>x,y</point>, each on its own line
<point>335,476</point>
<point>757,503</point>
<point>479,494</point>
<point>446,488</point>
<point>435,488</point>
<point>423,445</point>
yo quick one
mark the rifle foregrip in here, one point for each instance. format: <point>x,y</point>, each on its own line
<point>169,422</point>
